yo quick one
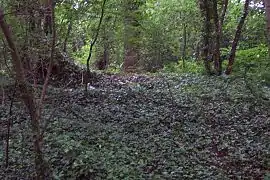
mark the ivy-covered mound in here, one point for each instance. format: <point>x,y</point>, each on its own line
<point>140,127</point>
<point>65,72</point>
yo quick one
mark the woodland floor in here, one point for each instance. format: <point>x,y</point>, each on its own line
<point>146,127</point>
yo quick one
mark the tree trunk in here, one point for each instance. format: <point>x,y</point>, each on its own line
<point>206,55</point>
<point>103,51</point>
<point>184,45</point>
<point>103,58</point>
<point>236,38</point>
<point>224,10</point>
<point>67,36</point>
<point>267,13</point>
<point>132,34</point>
<point>217,60</point>
<point>93,42</point>
<point>28,98</point>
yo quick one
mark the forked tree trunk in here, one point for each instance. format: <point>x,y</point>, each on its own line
<point>212,33</point>
<point>236,38</point>
<point>27,97</point>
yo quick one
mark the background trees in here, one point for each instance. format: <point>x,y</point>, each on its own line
<point>50,40</point>
<point>152,34</point>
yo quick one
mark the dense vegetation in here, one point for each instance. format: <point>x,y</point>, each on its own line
<point>135,89</point>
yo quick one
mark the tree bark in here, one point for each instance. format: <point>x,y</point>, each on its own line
<point>206,56</point>
<point>103,53</point>
<point>184,46</point>
<point>132,17</point>
<point>48,17</point>
<point>217,60</point>
<point>224,10</point>
<point>49,69</point>
<point>236,38</point>
<point>27,97</point>
<point>88,72</point>
<point>267,14</point>
<point>67,36</point>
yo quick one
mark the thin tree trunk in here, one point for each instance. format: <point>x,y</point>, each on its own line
<point>221,21</point>
<point>236,38</point>
<point>217,60</point>
<point>27,96</point>
<point>106,55</point>
<point>103,58</point>
<point>267,13</point>
<point>67,36</point>
<point>88,73</point>
<point>49,70</point>
<point>223,14</point>
<point>9,124</point>
<point>184,46</point>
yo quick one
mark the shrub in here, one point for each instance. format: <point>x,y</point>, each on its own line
<point>255,62</point>
<point>190,66</point>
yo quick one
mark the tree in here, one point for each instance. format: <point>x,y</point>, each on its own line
<point>93,42</point>
<point>267,13</point>
<point>34,107</point>
<point>207,29</point>
<point>103,48</point>
<point>69,29</point>
<point>170,33</point>
<point>212,33</point>
<point>27,97</point>
<point>132,17</point>
<point>236,38</point>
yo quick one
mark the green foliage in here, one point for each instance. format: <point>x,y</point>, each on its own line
<point>114,68</point>
<point>264,76</point>
<point>267,176</point>
<point>162,30</point>
<point>254,61</point>
<point>158,29</point>
<point>255,55</point>
<point>254,31</point>
<point>190,66</point>
<point>142,127</point>
<point>82,55</point>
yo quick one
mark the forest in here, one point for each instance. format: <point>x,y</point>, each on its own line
<point>134,89</point>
